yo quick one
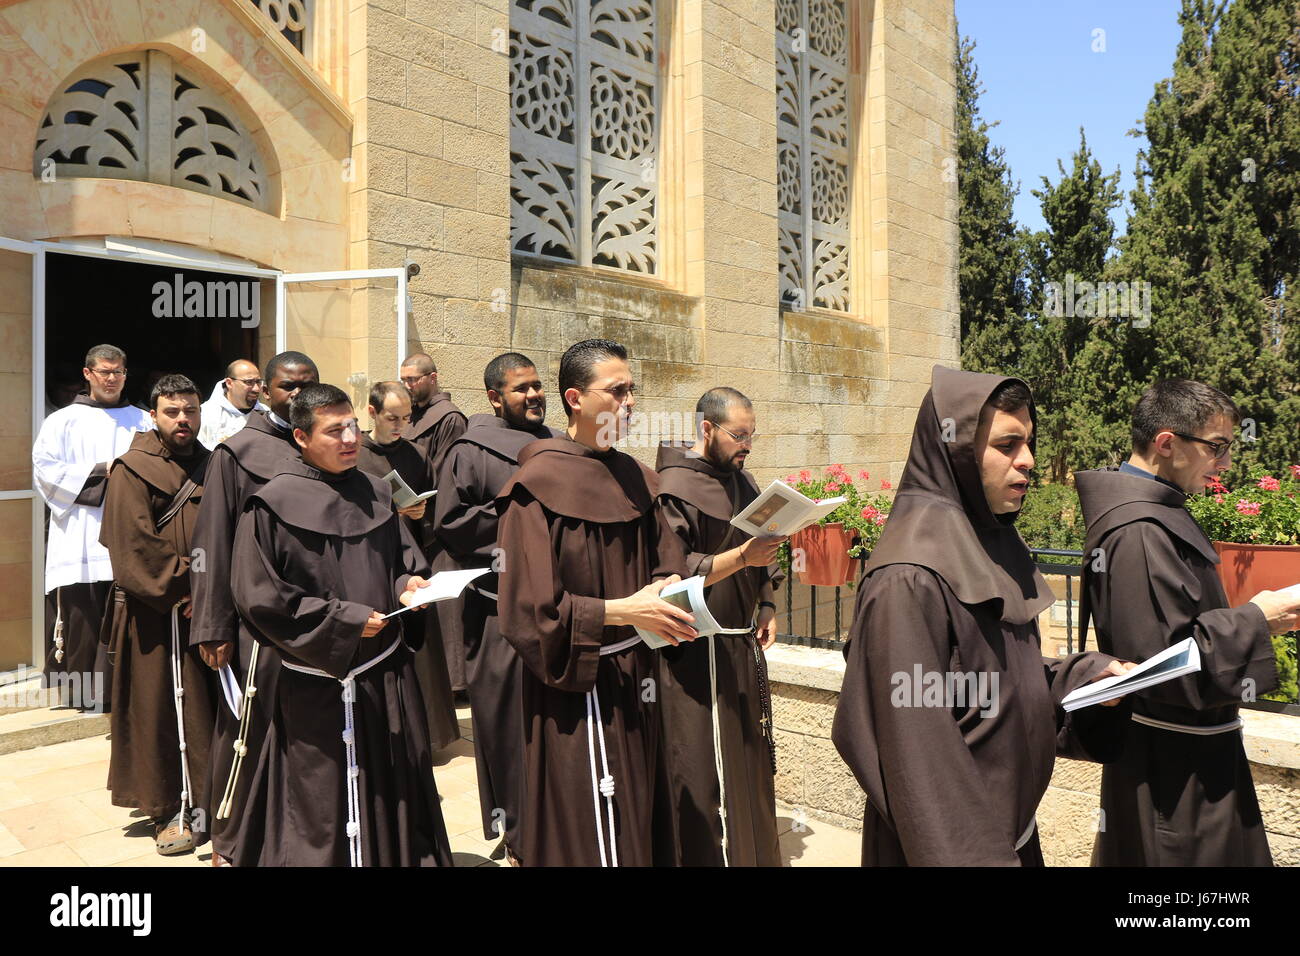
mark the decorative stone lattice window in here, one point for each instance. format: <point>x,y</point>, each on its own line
<point>584,132</point>
<point>287,16</point>
<point>813,195</point>
<point>138,116</point>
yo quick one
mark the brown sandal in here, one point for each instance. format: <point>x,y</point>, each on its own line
<point>174,836</point>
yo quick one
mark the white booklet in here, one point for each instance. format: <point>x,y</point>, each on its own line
<point>689,596</point>
<point>403,495</point>
<point>1171,663</point>
<point>780,510</point>
<point>443,586</point>
<point>230,689</point>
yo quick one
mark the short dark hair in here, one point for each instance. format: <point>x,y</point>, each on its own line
<point>1178,405</point>
<point>1011,396</point>
<point>494,376</point>
<point>380,391</point>
<point>287,360</point>
<point>713,404</point>
<point>109,353</point>
<point>578,364</point>
<point>170,385</point>
<point>302,410</point>
<point>422,361</point>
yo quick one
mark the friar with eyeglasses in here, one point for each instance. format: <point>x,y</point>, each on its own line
<point>584,555</point>
<point>717,803</point>
<point>70,462</point>
<point>1181,793</point>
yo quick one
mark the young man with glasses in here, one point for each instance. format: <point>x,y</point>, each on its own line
<point>70,461</point>
<point>584,555</point>
<point>1181,793</point>
<point>227,409</point>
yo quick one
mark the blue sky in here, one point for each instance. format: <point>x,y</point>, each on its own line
<point>1043,81</point>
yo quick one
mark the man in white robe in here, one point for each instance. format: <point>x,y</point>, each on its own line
<point>70,460</point>
<point>227,409</point>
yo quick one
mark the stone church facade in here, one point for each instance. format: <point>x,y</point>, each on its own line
<point>756,193</point>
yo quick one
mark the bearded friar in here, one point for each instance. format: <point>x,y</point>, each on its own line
<point>718,790</point>
<point>166,697</point>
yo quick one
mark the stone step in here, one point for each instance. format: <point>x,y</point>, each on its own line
<point>36,727</point>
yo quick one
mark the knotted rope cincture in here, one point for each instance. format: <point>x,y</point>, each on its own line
<point>604,784</point>
<point>348,693</point>
<point>241,741</point>
<point>717,747</point>
<point>178,696</point>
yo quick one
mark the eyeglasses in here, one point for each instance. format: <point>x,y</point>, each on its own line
<point>110,372</point>
<point>250,382</point>
<point>414,378</point>
<point>743,439</point>
<point>621,393</point>
<point>1219,448</point>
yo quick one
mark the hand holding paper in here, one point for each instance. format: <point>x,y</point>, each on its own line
<point>443,586</point>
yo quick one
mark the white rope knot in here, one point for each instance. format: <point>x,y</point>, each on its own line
<point>240,748</point>
<point>184,747</point>
<point>354,772</point>
<point>354,829</point>
<point>347,737</point>
<point>349,691</point>
<point>607,785</point>
<point>180,692</point>
<point>251,692</point>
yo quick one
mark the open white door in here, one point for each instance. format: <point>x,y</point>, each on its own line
<point>352,324</point>
<point>22,308</point>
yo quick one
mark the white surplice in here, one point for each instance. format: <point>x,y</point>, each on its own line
<point>221,418</point>
<point>70,443</point>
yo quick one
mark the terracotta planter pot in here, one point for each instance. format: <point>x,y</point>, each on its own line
<point>1247,569</point>
<point>826,555</point>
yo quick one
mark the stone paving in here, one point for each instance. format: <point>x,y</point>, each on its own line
<point>55,811</point>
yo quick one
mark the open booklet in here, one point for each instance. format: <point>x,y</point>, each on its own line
<point>689,596</point>
<point>1173,662</point>
<point>403,495</point>
<point>780,510</point>
<point>443,586</point>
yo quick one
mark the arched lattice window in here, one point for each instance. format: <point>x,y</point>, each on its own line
<point>290,17</point>
<point>584,132</point>
<point>140,116</point>
<point>813,195</point>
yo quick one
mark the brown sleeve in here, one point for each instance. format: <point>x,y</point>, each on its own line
<point>145,564</point>
<point>444,433</point>
<point>557,634</point>
<point>96,484</point>
<point>681,520</point>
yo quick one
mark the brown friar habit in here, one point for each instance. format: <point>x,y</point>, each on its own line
<point>473,473</point>
<point>430,659</point>
<point>579,527</point>
<point>433,429</point>
<point>239,466</point>
<point>148,633</point>
<point>1177,796</point>
<point>319,552</point>
<point>951,594</point>
<point>698,501</point>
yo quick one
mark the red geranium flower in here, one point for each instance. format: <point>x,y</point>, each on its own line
<point>1249,508</point>
<point>864,475</point>
<point>1269,483</point>
<point>833,486</point>
<point>885,485</point>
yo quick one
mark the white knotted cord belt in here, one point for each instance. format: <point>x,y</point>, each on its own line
<point>1029,831</point>
<point>604,785</point>
<point>58,625</point>
<point>349,695</point>
<point>717,747</point>
<point>1203,731</point>
<point>178,697</point>
<point>241,741</point>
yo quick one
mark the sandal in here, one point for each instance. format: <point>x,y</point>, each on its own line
<point>174,836</point>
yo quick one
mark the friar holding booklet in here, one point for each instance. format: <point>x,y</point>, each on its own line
<point>1181,793</point>
<point>585,554</point>
<point>476,468</point>
<point>382,452</point>
<point>713,694</point>
<point>951,591</point>
<point>347,769</point>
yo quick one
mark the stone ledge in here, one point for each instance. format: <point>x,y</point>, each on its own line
<point>1271,739</point>
<point>28,729</point>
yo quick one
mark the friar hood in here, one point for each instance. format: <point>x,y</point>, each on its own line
<point>261,448</point>
<point>941,519</point>
<point>1111,499</point>
<point>439,407</point>
<point>156,465</point>
<point>697,481</point>
<point>347,505</point>
<point>496,435</point>
<point>570,479</point>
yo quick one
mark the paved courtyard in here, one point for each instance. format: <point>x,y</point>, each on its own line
<point>55,811</point>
